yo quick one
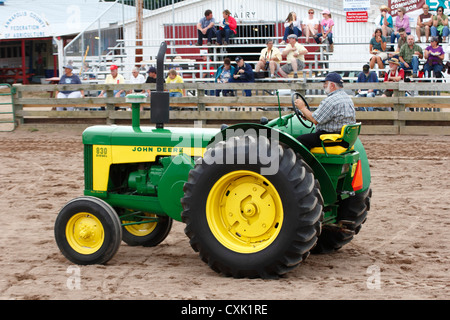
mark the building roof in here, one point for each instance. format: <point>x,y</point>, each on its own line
<point>61,17</point>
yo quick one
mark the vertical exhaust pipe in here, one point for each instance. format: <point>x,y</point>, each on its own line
<point>160,99</point>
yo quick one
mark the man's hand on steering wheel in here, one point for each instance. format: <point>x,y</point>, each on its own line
<point>298,101</point>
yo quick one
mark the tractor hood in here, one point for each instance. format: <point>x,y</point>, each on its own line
<point>148,136</point>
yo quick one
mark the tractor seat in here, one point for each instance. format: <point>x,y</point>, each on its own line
<point>349,134</point>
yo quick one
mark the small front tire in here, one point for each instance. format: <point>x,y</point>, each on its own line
<point>88,231</point>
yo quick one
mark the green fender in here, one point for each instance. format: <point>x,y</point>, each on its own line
<point>326,186</point>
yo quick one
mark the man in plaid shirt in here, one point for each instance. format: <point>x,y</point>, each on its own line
<point>335,111</point>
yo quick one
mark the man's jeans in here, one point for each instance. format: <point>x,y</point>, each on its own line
<point>414,65</point>
<point>369,95</point>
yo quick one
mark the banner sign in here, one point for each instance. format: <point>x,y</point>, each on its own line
<point>357,16</point>
<point>356,5</point>
<point>25,24</point>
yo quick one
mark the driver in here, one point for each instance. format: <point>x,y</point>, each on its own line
<point>335,111</point>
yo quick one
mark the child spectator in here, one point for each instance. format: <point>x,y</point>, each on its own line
<point>327,29</point>
<point>173,77</point>
<point>292,25</point>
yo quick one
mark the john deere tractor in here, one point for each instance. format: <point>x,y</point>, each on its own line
<point>255,201</point>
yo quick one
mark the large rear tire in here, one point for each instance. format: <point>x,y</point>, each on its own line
<point>88,231</point>
<point>245,224</point>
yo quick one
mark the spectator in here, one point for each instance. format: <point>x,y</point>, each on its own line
<point>136,78</point>
<point>366,76</point>
<point>327,29</point>
<point>409,55</point>
<point>206,28</point>
<point>400,42</point>
<point>243,73</point>
<point>385,21</point>
<point>173,77</point>
<point>311,25</point>
<point>69,78</point>
<point>435,56</point>
<point>394,74</point>
<point>228,29</point>
<point>295,57</point>
<point>401,21</point>
<point>114,78</point>
<point>292,25</point>
<point>269,59</point>
<point>424,23</point>
<point>440,24</point>
<point>151,78</point>
<point>223,75</point>
<point>377,47</point>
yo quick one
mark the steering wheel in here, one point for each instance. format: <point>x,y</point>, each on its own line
<point>298,113</point>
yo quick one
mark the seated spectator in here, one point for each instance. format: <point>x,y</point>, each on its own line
<point>223,75</point>
<point>377,48</point>
<point>435,56</point>
<point>295,57</point>
<point>409,55</point>
<point>401,21</point>
<point>173,77</point>
<point>151,78</point>
<point>136,78</point>
<point>310,25</point>
<point>424,23</point>
<point>366,76</point>
<point>385,21</point>
<point>227,28</point>
<point>243,73</point>
<point>292,26</point>
<point>69,78</point>
<point>394,74</point>
<point>440,24</point>
<point>114,78</point>
<point>270,59</point>
<point>327,29</point>
<point>206,28</point>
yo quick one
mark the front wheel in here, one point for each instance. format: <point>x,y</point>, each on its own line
<point>88,231</point>
<point>244,223</point>
<point>149,233</point>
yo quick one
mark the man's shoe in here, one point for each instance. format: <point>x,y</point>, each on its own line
<point>225,43</point>
<point>208,43</point>
<point>198,44</point>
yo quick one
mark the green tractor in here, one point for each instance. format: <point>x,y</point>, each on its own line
<point>254,200</point>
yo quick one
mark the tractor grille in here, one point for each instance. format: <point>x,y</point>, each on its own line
<point>88,180</point>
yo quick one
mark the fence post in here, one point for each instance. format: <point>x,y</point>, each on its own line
<point>18,107</point>
<point>110,107</point>
<point>398,107</point>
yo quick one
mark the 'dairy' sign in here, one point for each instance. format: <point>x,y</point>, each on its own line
<point>25,24</point>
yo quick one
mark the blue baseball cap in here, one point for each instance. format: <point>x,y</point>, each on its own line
<point>333,77</point>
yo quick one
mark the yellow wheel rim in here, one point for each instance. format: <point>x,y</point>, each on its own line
<point>141,230</point>
<point>244,211</point>
<point>85,233</point>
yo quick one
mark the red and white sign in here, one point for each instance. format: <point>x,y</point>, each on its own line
<point>357,16</point>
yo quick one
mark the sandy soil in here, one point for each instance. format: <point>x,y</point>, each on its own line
<point>402,251</point>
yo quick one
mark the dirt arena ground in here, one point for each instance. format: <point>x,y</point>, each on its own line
<point>402,251</point>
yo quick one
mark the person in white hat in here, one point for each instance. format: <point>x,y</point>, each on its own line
<point>69,78</point>
<point>327,29</point>
<point>385,21</point>
<point>295,57</point>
